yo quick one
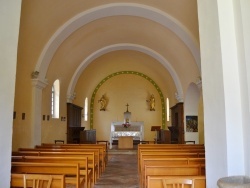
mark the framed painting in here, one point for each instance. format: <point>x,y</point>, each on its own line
<point>191,123</point>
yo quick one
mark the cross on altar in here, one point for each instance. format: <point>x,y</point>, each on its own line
<point>127,107</point>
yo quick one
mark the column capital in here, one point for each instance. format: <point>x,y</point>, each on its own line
<point>39,84</point>
<point>178,97</point>
<point>71,97</point>
<point>199,82</point>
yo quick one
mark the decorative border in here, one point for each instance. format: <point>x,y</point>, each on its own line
<point>126,72</point>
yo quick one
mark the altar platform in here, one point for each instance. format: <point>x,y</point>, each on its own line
<point>135,130</point>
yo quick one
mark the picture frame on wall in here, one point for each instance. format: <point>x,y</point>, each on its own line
<point>191,123</point>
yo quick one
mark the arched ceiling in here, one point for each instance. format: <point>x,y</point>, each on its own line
<point>165,30</point>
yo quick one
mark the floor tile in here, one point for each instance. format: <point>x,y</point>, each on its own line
<point>121,172</point>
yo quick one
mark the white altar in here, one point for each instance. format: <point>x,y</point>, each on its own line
<point>136,129</point>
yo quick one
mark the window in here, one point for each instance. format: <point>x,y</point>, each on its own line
<point>55,99</point>
<point>86,109</point>
<point>167,105</point>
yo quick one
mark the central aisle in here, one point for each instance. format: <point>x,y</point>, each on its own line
<point>121,172</point>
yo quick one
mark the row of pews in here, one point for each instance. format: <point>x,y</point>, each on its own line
<point>157,162</point>
<point>77,165</point>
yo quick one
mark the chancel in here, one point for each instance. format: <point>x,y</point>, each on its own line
<point>126,129</point>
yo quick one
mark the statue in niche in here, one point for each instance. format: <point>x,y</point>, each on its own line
<point>103,103</point>
<point>151,102</point>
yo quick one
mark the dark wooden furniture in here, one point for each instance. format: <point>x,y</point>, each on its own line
<point>177,128</point>
<point>165,136</point>
<point>73,135</point>
<point>88,137</point>
<point>74,116</point>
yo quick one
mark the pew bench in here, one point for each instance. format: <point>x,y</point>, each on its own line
<point>156,181</point>
<point>165,154</point>
<point>167,162</point>
<point>171,146</point>
<point>71,171</point>
<point>17,181</point>
<point>171,149</point>
<point>101,147</point>
<point>98,151</point>
<point>173,170</point>
<point>93,160</point>
<point>85,171</point>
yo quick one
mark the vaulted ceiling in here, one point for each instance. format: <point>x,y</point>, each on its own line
<point>67,36</point>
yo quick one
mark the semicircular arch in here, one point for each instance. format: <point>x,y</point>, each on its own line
<point>123,46</point>
<point>127,72</point>
<point>114,9</point>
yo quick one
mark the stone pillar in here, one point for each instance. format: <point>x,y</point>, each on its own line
<point>222,92</point>
<point>38,86</point>
<point>10,21</point>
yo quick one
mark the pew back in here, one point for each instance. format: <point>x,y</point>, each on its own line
<point>93,158</point>
<point>70,170</point>
<point>156,181</point>
<point>17,180</point>
<point>173,170</point>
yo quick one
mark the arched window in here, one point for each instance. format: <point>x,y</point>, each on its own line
<point>86,109</point>
<point>167,105</point>
<point>55,99</point>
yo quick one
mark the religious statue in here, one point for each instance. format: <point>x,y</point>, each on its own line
<point>103,103</point>
<point>151,102</point>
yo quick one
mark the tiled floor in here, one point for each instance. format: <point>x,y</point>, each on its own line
<point>121,171</point>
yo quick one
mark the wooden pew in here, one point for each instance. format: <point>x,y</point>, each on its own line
<point>101,147</point>
<point>168,155</point>
<point>173,170</point>
<point>169,148</point>
<point>30,151</point>
<point>165,154</point>
<point>156,181</point>
<point>98,152</point>
<point>93,160</point>
<point>58,181</point>
<point>179,146</point>
<point>197,153</point>
<point>167,162</point>
<point>70,170</point>
<point>82,161</point>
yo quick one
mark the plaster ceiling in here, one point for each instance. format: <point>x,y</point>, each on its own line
<point>78,32</point>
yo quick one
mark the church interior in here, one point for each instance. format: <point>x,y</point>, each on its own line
<point>162,72</point>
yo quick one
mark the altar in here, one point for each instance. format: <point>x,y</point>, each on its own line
<point>125,142</point>
<point>135,130</point>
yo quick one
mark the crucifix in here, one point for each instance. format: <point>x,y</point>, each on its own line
<point>127,116</point>
<point>127,107</point>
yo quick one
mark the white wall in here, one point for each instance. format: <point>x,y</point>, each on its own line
<point>243,42</point>
<point>191,107</point>
<point>222,89</point>
<point>9,21</point>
